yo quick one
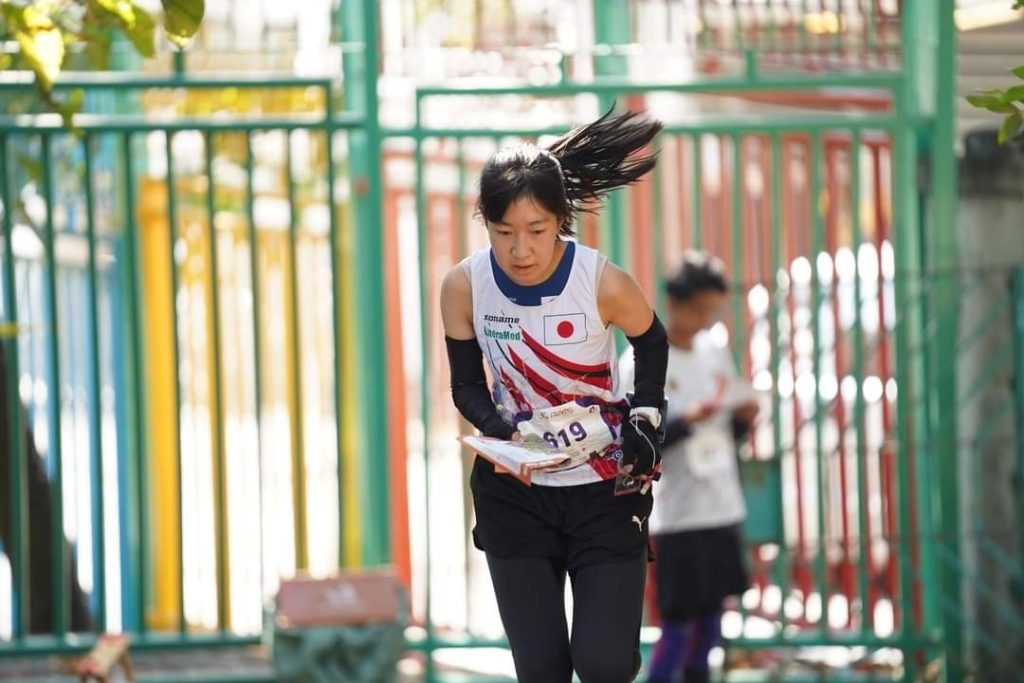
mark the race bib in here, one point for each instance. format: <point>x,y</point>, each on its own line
<point>575,430</point>
<point>710,452</point>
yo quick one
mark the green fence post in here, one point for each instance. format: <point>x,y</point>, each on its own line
<point>135,525</point>
<point>18,551</point>
<point>943,232</point>
<point>95,398</point>
<point>301,511</point>
<point>612,27</point>
<point>257,341</point>
<point>911,393</point>
<point>857,332</point>
<point>172,229</point>
<point>218,446</point>
<point>60,576</point>
<point>361,24</point>
<point>777,302</point>
<point>823,459</point>
<point>426,381</point>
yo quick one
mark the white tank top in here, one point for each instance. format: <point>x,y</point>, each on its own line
<point>553,361</point>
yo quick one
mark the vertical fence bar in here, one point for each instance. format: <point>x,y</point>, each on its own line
<point>365,157</point>
<point>95,398</point>
<point>907,333</point>
<point>834,192</point>
<point>658,238</point>
<point>257,327</point>
<point>426,380</point>
<point>17,553</point>
<point>857,334</point>
<point>295,362</point>
<point>719,236</point>
<point>460,219</point>
<point>944,229</point>
<point>870,32</point>
<point>336,312</point>
<point>137,521</point>
<point>817,248</point>
<point>737,341</point>
<point>704,37</point>
<point>172,230</point>
<point>219,464</point>
<point>885,470</point>
<point>737,14</point>
<point>612,26</point>
<point>801,571</point>
<point>782,564</point>
<point>60,578</point>
<point>696,226</point>
<point>911,395</point>
<point>464,426</point>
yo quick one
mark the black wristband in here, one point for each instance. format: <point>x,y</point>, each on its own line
<point>470,394</point>
<point>650,352</point>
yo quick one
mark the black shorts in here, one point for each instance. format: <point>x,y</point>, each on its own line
<point>579,525</point>
<point>696,570</point>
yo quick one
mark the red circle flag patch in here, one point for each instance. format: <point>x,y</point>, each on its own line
<point>568,328</point>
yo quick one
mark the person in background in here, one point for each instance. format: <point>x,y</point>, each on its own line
<point>698,508</point>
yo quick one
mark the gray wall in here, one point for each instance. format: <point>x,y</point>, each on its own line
<point>991,241</point>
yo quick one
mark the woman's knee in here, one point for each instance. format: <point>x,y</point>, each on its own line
<point>605,665</point>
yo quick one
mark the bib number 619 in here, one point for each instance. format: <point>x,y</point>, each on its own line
<point>575,430</point>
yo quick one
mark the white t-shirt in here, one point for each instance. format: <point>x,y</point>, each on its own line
<point>699,486</point>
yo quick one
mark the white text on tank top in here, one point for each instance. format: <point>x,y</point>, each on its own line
<point>554,365</point>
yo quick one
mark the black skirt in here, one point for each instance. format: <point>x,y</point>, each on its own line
<point>696,570</point>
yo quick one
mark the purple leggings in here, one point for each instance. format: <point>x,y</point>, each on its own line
<point>684,646</point>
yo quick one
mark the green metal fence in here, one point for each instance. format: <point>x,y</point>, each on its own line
<point>179,368</point>
<point>238,274</point>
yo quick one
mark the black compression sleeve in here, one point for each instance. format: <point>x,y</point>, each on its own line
<point>676,431</point>
<point>469,388</point>
<point>650,351</point>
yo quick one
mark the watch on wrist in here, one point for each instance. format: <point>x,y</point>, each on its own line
<point>652,415</point>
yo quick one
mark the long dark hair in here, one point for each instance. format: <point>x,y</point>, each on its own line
<point>574,173</point>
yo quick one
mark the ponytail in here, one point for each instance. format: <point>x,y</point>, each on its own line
<point>601,156</point>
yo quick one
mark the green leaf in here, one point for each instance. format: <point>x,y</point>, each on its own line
<point>40,40</point>
<point>1019,71</point>
<point>44,51</point>
<point>182,19</point>
<point>1010,126</point>
<point>136,23</point>
<point>992,101</point>
<point>1014,94</point>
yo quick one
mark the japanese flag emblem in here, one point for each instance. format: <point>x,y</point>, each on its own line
<point>570,328</point>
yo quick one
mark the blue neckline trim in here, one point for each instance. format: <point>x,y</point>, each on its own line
<point>531,295</point>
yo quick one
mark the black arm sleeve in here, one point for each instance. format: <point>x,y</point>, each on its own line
<point>469,388</point>
<point>675,431</point>
<point>650,351</point>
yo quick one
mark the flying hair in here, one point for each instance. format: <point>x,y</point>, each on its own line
<point>602,156</point>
